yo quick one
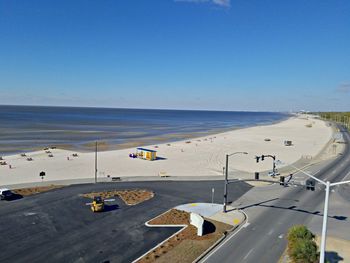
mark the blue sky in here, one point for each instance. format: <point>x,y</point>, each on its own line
<point>178,54</point>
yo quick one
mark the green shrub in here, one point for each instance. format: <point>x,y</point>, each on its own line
<point>302,247</point>
<point>304,251</point>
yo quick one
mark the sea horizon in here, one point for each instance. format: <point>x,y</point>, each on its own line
<point>28,128</point>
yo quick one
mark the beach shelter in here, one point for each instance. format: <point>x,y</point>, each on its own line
<point>146,154</point>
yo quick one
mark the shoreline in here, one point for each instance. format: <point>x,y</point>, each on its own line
<point>89,146</point>
<point>196,157</point>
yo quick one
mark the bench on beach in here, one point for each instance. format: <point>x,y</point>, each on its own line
<point>116,178</point>
<point>163,174</point>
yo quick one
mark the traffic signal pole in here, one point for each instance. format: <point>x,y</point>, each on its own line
<point>262,157</point>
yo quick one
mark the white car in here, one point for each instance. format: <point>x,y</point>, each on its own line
<point>5,194</point>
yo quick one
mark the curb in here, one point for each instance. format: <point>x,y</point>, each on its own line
<point>149,225</point>
<point>205,253</point>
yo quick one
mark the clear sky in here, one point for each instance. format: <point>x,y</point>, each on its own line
<point>180,54</point>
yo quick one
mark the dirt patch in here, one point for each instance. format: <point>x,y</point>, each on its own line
<point>337,250</point>
<point>130,197</point>
<point>35,190</point>
<point>172,217</point>
<point>185,246</point>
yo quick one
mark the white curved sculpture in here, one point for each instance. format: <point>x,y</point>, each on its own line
<point>197,221</point>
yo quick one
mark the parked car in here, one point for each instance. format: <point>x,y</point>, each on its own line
<point>5,194</point>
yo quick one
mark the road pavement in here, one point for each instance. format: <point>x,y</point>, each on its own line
<point>273,210</point>
<point>57,226</point>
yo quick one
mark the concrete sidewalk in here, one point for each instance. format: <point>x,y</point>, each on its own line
<point>233,216</point>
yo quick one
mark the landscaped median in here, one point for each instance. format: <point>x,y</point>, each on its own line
<point>130,196</point>
<point>35,190</point>
<point>185,245</point>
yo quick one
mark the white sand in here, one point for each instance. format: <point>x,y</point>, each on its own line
<point>198,158</point>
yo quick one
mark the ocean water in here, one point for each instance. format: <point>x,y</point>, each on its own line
<point>28,128</point>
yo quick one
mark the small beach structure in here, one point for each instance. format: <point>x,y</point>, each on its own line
<point>288,143</point>
<point>146,154</point>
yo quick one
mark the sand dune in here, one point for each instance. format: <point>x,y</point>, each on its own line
<point>202,157</point>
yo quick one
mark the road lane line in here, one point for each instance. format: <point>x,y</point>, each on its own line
<point>250,251</point>
<point>226,240</point>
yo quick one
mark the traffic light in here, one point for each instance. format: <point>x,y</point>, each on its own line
<point>262,157</point>
<point>310,184</point>
<point>257,158</point>
<point>256,175</point>
<point>282,180</point>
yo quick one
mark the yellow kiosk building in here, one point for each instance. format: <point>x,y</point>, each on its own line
<point>146,154</point>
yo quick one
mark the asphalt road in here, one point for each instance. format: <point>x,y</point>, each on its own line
<point>57,226</point>
<point>271,211</point>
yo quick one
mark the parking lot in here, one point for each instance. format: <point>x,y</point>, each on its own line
<point>57,226</point>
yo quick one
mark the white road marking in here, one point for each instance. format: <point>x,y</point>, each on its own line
<point>270,232</point>
<point>226,240</point>
<point>246,225</point>
<point>29,213</point>
<point>250,251</point>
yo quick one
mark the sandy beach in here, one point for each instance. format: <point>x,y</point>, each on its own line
<point>194,157</point>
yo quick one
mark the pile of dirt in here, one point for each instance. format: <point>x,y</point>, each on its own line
<point>35,190</point>
<point>185,246</point>
<point>130,197</point>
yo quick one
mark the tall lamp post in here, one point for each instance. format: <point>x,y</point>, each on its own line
<point>226,178</point>
<point>325,210</point>
<point>96,162</point>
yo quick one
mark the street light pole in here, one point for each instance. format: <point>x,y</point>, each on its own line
<point>226,183</point>
<point>226,178</point>
<point>96,162</point>
<point>324,224</point>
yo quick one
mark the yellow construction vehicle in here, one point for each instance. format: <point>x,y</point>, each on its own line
<point>98,204</point>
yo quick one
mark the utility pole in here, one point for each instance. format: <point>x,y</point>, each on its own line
<point>96,162</point>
